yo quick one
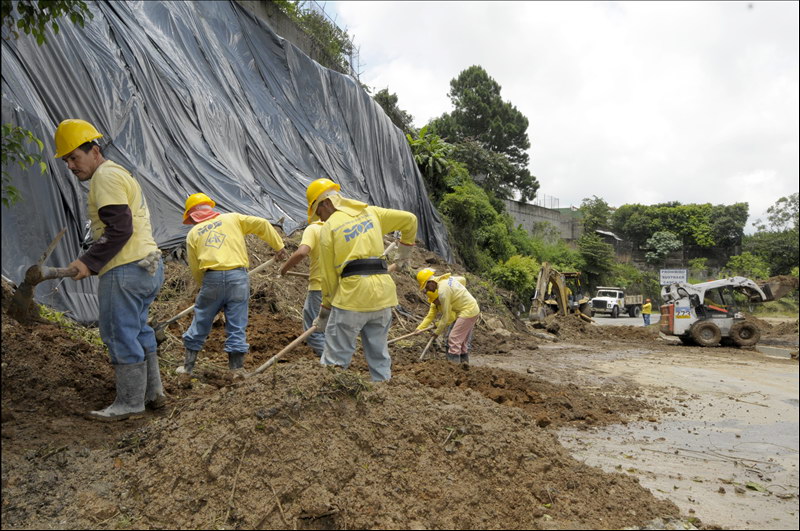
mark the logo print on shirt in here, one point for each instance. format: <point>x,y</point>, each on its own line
<point>215,239</point>
<point>357,230</point>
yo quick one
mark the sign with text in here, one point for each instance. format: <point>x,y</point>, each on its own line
<point>669,276</point>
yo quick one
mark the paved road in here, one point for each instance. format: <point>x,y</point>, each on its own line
<point>605,320</point>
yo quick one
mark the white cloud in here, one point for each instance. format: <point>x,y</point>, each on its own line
<point>633,102</point>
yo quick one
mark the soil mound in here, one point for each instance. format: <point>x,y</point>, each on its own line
<point>301,445</point>
<point>573,328</point>
<point>309,447</point>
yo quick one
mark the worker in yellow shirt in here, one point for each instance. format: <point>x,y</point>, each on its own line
<point>358,293</point>
<point>127,261</point>
<point>309,246</point>
<point>647,309</point>
<point>217,254</point>
<point>452,300</point>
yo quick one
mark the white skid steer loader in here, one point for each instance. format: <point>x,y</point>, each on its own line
<point>707,314</point>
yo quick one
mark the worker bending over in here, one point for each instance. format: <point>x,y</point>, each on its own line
<point>449,297</point>
<point>358,293</point>
<point>126,258</point>
<point>309,246</point>
<point>217,254</point>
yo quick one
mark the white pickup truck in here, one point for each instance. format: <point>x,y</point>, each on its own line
<point>613,301</point>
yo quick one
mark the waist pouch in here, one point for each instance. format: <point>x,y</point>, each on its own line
<point>365,266</point>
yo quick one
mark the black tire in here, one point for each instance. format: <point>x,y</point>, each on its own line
<point>615,312</point>
<point>745,334</point>
<point>687,340</point>
<point>591,314</point>
<point>706,333</point>
<point>635,311</point>
<point>586,309</point>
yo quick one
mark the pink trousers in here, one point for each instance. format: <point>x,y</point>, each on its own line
<point>460,335</point>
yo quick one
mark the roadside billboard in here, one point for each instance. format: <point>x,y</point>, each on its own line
<point>670,276</point>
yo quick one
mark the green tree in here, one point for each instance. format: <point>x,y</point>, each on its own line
<point>747,265</point>
<point>596,214</point>
<point>518,274</point>
<point>15,151</point>
<point>728,224</point>
<point>399,117</point>
<point>783,215</point>
<point>598,257</point>
<point>32,17</point>
<point>660,245</point>
<point>779,249</point>
<point>479,232</point>
<point>481,115</point>
<point>431,154</point>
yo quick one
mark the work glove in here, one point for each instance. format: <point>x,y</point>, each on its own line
<point>321,321</point>
<point>403,256</point>
<point>150,262</point>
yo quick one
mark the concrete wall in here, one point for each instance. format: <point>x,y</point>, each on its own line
<point>526,215</point>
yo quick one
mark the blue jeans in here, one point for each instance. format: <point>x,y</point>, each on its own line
<point>646,317</point>
<point>226,290</point>
<point>340,340</point>
<point>310,311</point>
<point>124,296</point>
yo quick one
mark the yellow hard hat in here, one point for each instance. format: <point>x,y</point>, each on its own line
<point>424,276</point>
<point>194,200</point>
<point>72,133</point>
<point>316,189</point>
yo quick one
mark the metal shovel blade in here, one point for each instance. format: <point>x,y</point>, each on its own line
<point>22,307</point>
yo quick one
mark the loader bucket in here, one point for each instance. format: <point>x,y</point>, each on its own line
<point>777,287</point>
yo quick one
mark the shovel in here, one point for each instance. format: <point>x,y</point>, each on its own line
<point>158,327</point>
<point>22,307</point>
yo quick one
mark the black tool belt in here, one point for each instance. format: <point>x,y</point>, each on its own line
<point>365,266</point>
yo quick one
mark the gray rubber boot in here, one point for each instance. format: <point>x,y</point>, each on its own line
<point>236,360</point>
<point>131,384</point>
<point>188,362</point>
<point>455,358</point>
<point>154,393</point>
<point>465,359</point>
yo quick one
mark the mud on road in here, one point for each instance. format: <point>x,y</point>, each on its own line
<point>500,444</point>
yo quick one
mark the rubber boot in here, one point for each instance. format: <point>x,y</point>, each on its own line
<point>154,393</point>
<point>455,358</point>
<point>236,361</point>
<point>131,384</point>
<point>189,357</point>
<point>465,359</point>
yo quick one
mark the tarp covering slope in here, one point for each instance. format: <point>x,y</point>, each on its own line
<point>192,97</point>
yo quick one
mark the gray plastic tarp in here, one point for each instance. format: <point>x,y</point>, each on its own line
<point>192,97</point>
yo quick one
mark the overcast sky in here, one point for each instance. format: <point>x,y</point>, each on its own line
<point>633,102</point>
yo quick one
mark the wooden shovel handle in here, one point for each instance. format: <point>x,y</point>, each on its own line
<point>49,273</point>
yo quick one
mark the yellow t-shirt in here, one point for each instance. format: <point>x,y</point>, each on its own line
<point>454,298</point>
<point>111,184</point>
<point>647,308</point>
<point>353,233</point>
<point>433,311</point>
<point>219,243</point>
<point>311,238</point>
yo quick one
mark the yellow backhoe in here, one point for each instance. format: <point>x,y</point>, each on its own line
<point>558,293</point>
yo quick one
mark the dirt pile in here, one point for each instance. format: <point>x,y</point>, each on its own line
<point>309,447</point>
<point>304,446</point>
<point>573,328</point>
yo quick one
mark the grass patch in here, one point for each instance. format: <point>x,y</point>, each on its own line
<point>74,329</point>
